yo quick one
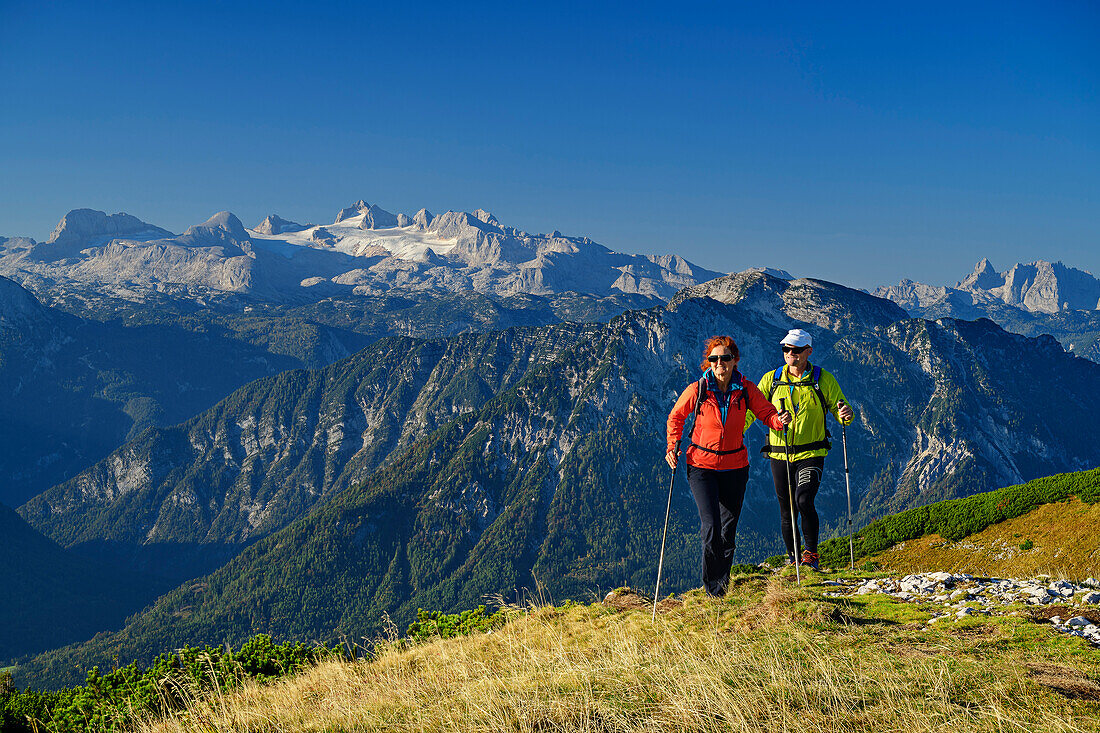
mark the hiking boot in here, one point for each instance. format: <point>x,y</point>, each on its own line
<point>810,559</point>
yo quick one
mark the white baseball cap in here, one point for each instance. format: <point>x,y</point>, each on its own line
<point>797,337</point>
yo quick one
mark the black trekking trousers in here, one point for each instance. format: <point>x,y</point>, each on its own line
<point>718,496</point>
<point>807,478</point>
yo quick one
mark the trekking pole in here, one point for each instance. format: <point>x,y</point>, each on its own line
<point>848,489</point>
<point>790,494</point>
<point>661,562</point>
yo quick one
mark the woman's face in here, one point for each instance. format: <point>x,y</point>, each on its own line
<point>722,368</point>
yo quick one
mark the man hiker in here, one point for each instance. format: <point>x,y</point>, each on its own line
<point>809,392</point>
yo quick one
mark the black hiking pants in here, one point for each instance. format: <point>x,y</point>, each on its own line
<point>807,478</point>
<point>718,496</point>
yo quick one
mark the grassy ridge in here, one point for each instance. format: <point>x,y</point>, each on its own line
<point>770,656</point>
<point>955,519</point>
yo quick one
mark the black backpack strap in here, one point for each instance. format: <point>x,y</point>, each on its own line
<point>796,448</point>
<point>717,452</point>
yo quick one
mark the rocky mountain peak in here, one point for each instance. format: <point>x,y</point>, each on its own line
<point>1050,287</point>
<point>354,210</point>
<point>423,218</point>
<point>223,221</point>
<point>375,217</point>
<point>984,277</point>
<point>81,226</point>
<point>781,274</point>
<point>275,224</point>
<point>486,217</point>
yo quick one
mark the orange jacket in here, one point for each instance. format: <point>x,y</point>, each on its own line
<point>710,435</point>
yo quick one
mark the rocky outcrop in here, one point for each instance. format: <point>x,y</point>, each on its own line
<point>1048,287</point>
<point>87,226</point>
<point>274,224</point>
<point>1037,287</point>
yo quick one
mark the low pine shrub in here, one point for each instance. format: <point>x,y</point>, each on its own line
<point>114,700</point>
<point>955,519</point>
<point>439,625</point>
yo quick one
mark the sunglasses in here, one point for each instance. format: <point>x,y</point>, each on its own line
<point>794,349</point>
<point>724,357</point>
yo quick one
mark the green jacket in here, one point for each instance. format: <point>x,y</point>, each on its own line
<point>808,425</point>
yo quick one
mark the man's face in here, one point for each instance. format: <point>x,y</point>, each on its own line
<point>797,356</point>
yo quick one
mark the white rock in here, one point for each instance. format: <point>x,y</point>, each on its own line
<point>1078,622</point>
<point>1093,597</point>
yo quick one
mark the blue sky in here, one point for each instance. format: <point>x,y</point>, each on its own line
<point>856,142</point>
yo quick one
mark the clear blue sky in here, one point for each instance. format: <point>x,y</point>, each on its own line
<point>861,143</point>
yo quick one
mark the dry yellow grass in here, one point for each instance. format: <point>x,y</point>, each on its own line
<point>767,658</point>
<point>1066,544</point>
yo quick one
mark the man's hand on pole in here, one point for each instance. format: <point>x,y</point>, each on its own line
<point>785,417</point>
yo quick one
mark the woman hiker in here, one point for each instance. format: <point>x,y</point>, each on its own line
<point>717,463</point>
<point>810,392</point>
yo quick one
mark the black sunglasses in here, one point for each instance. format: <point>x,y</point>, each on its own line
<point>794,349</point>
<point>724,357</point>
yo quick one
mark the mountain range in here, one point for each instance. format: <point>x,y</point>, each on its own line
<point>431,473</point>
<point>1037,287</point>
<point>365,251</point>
<point>1032,299</point>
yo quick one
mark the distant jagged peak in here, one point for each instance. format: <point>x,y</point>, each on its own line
<point>225,221</point>
<point>1050,287</point>
<point>375,217</point>
<point>354,210</point>
<point>781,274</point>
<point>423,218</point>
<point>459,224</point>
<point>274,224</point>
<point>220,229</point>
<point>486,217</point>
<point>82,226</point>
<point>984,277</point>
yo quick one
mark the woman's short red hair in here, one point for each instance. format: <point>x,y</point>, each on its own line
<point>713,341</point>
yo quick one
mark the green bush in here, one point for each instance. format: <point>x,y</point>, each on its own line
<point>955,519</point>
<point>114,700</point>
<point>439,625</point>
